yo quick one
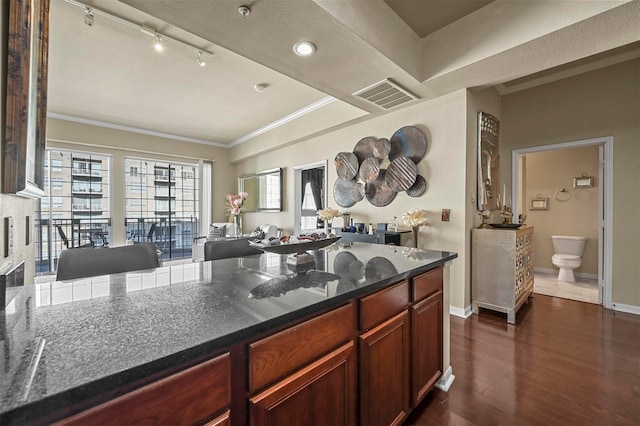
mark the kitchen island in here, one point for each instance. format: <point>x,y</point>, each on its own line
<point>227,341</point>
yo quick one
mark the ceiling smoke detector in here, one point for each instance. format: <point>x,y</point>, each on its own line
<point>244,11</point>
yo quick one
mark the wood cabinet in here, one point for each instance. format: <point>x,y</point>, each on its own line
<point>384,372</point>
<point>323,393</point>
<point>368,362</point>
<point>426,334</point>
<point>189,397</point>
<point>502,269</point>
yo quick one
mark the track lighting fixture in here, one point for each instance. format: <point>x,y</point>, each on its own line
<point>88,16</point>
<point>159,39</point>
<point>158,44</point>
<point>200,61</point>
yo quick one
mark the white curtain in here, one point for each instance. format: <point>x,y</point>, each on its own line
<point>206,172</point>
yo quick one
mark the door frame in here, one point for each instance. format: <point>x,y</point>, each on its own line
<point>297,196</point>
<point>605,204</point>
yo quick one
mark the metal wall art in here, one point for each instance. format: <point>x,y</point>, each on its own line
<point>361,172</point>
<point>488,162</point>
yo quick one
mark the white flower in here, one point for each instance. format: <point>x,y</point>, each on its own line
<point>415,217</point>
<point>328,213</point>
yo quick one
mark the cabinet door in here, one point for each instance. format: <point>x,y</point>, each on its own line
<point>187,397</point>
<point>323,393</point>
<point>384,372</point>
<point>426,346</point>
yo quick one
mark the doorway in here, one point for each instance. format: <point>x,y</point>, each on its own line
<point>310,195</point>
<point>559,198</point>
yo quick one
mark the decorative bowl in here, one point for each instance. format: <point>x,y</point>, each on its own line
<point>298,247</point>
<point>506,225</point>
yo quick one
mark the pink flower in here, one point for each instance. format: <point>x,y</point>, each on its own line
<point>235,202</point>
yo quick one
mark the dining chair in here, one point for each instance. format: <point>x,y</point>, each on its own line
<point>65,240</point>
<point>73,264</point>
<point>224,249</point>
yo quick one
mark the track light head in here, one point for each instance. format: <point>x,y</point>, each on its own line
<point>88,16</point>
<point>158,44</point>
<point>200,61</point>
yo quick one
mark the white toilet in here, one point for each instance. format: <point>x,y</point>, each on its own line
<point>568,255</point>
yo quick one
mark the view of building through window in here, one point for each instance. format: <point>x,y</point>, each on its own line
<point>75,209</point>
<point>161,204</point>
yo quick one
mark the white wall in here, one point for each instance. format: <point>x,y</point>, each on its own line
<point>443,120</point>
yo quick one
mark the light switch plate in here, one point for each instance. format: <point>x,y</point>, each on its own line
<point>8,236</point>
<point>446,213</point>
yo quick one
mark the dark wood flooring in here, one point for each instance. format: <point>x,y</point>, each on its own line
<point>563,363</point>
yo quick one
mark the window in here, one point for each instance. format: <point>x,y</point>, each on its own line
<point>77,201</point>
<point>56,183</point>
<point>309,218</point>
<point>167,198</point>
<point>56,165</point>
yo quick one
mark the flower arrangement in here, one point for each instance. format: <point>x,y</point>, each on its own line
<point>415,217</point>
<point>328,214</point>
<point>235,203</point>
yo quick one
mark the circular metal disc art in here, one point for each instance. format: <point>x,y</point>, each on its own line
<point>408,142</point>
<point>401,174</point>
<point>379,268</point>
<point>378,193</point>
<point>418,188</point>
<point>372,147</point>
<point>346,165</point>
<point>369,169</point>
<point>347,192</point>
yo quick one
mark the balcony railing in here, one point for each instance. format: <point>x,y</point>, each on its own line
<point>85,172</point>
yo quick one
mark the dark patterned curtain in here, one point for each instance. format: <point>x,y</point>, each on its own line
<point>315,177</point>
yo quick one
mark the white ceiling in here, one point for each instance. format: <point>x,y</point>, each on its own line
<point>110,74</point>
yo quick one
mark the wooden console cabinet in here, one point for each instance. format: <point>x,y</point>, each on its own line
<point>502,269</point>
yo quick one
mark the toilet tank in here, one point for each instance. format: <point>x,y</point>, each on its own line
<point>566,244</point>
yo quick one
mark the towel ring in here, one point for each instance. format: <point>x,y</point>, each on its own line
<point>560,197</point>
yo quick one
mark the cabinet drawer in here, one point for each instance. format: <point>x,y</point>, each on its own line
<point>383,305</point>
<point>187,397</point>
<point>426,284</point>
<point>275,356</point>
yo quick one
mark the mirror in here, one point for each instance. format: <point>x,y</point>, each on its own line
<point>264,189</point>
<point>27,60</point>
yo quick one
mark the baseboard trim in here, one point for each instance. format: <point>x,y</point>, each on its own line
<point>629,309</point>
<point>459,312</point>
<point>446,380</point>
<point>555,272</point>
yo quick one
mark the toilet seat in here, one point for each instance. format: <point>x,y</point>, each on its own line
<point>568,257</point>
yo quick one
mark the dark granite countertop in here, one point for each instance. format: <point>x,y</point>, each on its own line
<point>63,342</point>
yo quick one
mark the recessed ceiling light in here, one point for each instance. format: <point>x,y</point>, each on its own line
<point>304,48</point>
<point>260,87</point>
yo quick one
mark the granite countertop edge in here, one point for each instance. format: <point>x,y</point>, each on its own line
<point>83,396</point>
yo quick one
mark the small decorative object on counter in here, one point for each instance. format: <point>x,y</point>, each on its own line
<point>370,229</point>
<point>394,225</point>
<point>415,218</point>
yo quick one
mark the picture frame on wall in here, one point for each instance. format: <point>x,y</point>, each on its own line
<point>540,204</point>
<point>26,113</point>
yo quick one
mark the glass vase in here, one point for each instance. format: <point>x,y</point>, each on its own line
<point>237,224</point>
<point>415,230</point>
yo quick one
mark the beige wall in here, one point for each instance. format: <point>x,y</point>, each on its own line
<point>548,172</point>
<point>443,121</point>
<point>604,102</point>
<point>120,144</point>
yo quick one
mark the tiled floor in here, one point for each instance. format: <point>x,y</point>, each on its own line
<point>584,290</point>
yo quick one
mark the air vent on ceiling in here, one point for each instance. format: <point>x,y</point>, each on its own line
<point>386,94</point>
